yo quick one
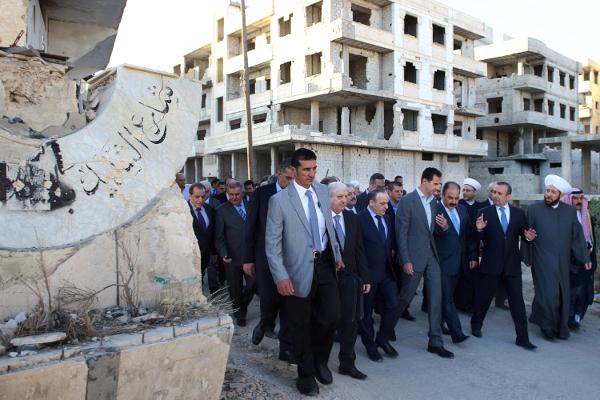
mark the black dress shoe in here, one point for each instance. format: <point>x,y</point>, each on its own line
<point>307,386</point>
<point>445,330</point>
<point>287,356</point>
<point>573,325</point>
<point>407,315</point>
<point>393,337</point>
<point>548,334</point>
<point>459,339</point>
<point>323,374</point>
<point>258,334</point>
<point>388,349</point>
<point>476,332</point>
<point>374,355</point>
<point>353,372</point>
<point>527,345</point>
<point>270,333</point>
<point>440,351</point>
<point>240,321</point>
<point>502,306</point>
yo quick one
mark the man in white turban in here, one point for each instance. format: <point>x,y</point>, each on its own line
<point>559,240</point>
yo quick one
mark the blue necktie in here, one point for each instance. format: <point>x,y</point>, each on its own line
<point>313,221</point>
<point>242,212</point>
<point>503,220</point>
<point>380,227</point>
<point>455,221</point>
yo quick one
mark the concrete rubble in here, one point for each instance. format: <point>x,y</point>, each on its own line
<point>45,338</point>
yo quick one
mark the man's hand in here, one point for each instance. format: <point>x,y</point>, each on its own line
<point>340,265</point>
<point>285,287</point>
<point>480,223</point>
<point>530,234</point>
<point>441,221</point>
<point>227,260</point>
<point>472,264</point>
<point>408,269</point>
<point>248,269</point>
<point>588,266</point>
<point>366,288</point>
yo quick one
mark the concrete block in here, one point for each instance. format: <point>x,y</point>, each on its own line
<point>66,380</point>
<point>158,335</point>
<point>186,329</point>
<point>49,337</point>
<point>124,340</point>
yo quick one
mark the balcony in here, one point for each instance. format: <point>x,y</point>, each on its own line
<point>470,111</point>
<point>262,135</point>
<point>256,100</point>
<point>585,112</point>
<point>362,36</point>
<point>443,144</point>
<point>468,66</point>
<point>205,114</point>
<point>527,118</point>
<point>585,86</point>
<point>199,147</point>
<point>530,83</point>
<point>257,58</point>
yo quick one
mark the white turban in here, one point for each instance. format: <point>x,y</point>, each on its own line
<point>472,182</point>
<point>559,183</point>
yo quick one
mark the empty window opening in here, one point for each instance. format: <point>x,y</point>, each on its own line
<point>313,64</point>
<point>388,121</point>
<point>537,69</point>
<point>496,171</point>
<point>427,156</point>
<point>439,80</point>
<point>439,33</point>
<point>457,93</point>
<point>586,129</point>
<point>479,134</point>
<point>561,78</point>
<point>285,26</point>
<point>251,44</point>
<point>268,83</point>
<point>538,105</point>
<point>596,77</point>
<point>234,86</point>
<point>285,70</point>
<point>235,123</point>
<point>550,107</point>
<point>439,123</point>
<point>555,165</point>
<point>526,105</point>
<point>550,74</point>
<point>313,13</point>
<point>203,105</point>
<point>457,128</point>
<point>357,68</point>
<point>362,15</point>
<point>220,29</point>
<point>338,120</point>
<point>258,118</point>
<point>370,112</point>
<point>586,75</point>
<point>572,113</point>
<point>457,47</point>
<point>571,82</point>
<point>220,70</point>
<point>563,111</point>
<point>410,25</point>
<point>494,105</point>
<point>410,73</point>
<point>219,109</point>
<point>201,134</point>
<point>410,120</point>
<point>453,158</point>
<point>252,84</point>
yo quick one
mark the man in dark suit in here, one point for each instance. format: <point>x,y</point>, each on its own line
<point>378,238</point>
<point>353,279</point>
<point>203,223</point>
<point>351,202</point>
<point>376,181</point>
<point>229,242</point>
<point>222,194</point>
<point>248,190</point>
<point>456,252</point>
<point>255,262</point>
<point>418,256</point>
<point>499,228</point>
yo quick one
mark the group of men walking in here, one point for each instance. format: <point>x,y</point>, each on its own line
<point>326,261</point>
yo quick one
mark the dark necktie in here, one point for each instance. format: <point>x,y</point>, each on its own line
<point>380,227</point>
<point>200,218</point>
<point>339,231</point>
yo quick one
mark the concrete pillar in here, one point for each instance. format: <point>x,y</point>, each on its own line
<point>198,169</point>
<point>273,160</point>
<point>345,121</point>
<point>565,150</point>
<point>379,120</point>
<point>520,145</point>
<point>521,66</point>
<point>528,140</point>
<point>314,116</point>
<point>233,165</point>
<point>586,169</point>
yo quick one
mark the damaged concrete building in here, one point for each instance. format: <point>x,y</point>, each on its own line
<point>531,98</point>
<point>369,85</point>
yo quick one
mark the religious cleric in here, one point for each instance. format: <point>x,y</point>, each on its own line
<point>559,238</point>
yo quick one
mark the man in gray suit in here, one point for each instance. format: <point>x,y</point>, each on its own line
<point>304,255</point>
<point>229,242</point>
<point>415,221</point>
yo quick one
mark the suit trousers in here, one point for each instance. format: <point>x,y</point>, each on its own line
<point>240,294</point>
<point>484,292</point>
<point>449,313</point>
<point>313,320</point>
<point>433,280</point>
<point>350,287</point>
<point>387,290</point>
<point>464,294</point>
<point>271,304</point>
<point>210,270</point>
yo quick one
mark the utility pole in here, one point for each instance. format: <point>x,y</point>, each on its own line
<point>249,146</point>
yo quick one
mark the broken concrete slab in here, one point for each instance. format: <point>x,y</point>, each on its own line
<point>45,338</point>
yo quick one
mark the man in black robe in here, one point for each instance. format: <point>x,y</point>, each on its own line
<point>559,240</point>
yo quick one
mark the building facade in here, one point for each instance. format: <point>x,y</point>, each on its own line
<point>371,86</point>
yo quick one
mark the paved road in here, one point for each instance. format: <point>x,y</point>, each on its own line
<point>492,367</point>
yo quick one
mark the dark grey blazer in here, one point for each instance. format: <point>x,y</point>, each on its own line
<point>414,237</point>
<point>229,232</point>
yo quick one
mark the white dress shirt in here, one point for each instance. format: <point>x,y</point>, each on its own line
<point>426,205</point>
<point>374,216</point>
<point>320,218</point>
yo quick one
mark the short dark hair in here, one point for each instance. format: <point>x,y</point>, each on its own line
<point>508,187</point>
<point>302,154</point>
<point>248,182</point>
<point>373,194</point>
<point>214,181</point>
<point>450,184</point>
<point>429,173</point>
<point>196,185</point>
<point>376,176</point>
<point>329,179</point>
<point>390,185</point>
<point>398,176</point>
<point>284,164</point>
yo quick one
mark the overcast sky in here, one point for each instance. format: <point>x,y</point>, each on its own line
<point>156,35</point>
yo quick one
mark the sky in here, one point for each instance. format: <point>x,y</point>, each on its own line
<point>156,35</point>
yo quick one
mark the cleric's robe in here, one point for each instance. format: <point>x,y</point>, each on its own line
<point>559,239</point>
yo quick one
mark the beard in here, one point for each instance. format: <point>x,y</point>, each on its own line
<point>549,202</point>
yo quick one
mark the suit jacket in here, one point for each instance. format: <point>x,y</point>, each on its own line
<point>222,198</point>
<point>390,212</point>
<point>361,201</point>
<point>205,238</point>
<point>353,254</point>
<point>229,232</point>
<point>454,250</point>
<point>256,224</point>
<point>414,237</point>
<point>501,253</point>
<point>213,202</point>
<point>288,242</point>
<point>379,252</point>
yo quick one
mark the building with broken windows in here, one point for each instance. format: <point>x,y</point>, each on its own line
<point>530,95</point>
<point>369,85</point>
